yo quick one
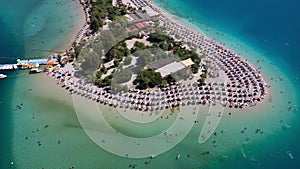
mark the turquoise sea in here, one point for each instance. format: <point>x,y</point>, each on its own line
<point>27,26</point>
<point>271,27</point>
<point>265,30</point>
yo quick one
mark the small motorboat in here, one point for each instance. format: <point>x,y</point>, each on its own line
<point>152,156</point>
<point>34,71</point>
<point>178,156</point>
<point>2,76</point>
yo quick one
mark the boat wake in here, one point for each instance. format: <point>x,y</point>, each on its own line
<point>243,153</point>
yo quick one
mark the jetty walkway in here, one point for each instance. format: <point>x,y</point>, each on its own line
<point>27,63</point>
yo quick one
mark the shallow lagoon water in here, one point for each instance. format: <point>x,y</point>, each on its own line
<point>47,104</point>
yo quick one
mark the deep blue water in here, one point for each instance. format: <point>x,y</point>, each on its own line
<point>270,26</point>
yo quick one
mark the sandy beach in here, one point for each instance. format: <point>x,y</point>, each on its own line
<point>56,110</point>
<point>50,124</point>
<point>79,27</point>
<point>63,21</point>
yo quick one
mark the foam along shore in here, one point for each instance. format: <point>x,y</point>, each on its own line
<point>82,27</point>
<point>66,23</point>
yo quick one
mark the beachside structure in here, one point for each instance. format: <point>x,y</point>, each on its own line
<point>187,63</point>
<point>161,62</point>
<point>143,26</point>
<point>170,68</point>
<point>138,16</point>
<point>167,66</point>
<point>33,61</point>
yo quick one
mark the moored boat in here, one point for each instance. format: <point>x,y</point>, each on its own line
<point>34,71</point>
<point>2,76</point>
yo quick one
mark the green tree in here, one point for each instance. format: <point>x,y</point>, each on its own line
<point>195,68</point>
<point>170,79</point>
<point>157,38</point>
<point>98,74</point>
<point>138,46</point>
<point>103,82</point>
<point>122,76</point>
<point>164,83</point>
<point>116,63</point>
<point>95,24</point>
<point>103,69</point>
<point>127,60</point>
<point>149,78</point>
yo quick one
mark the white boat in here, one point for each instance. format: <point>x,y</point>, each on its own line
<point>2,76</point>
<point>152,156</point>
<point>178,156</point>
<point>34,70</point>
<point>291,156</point>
